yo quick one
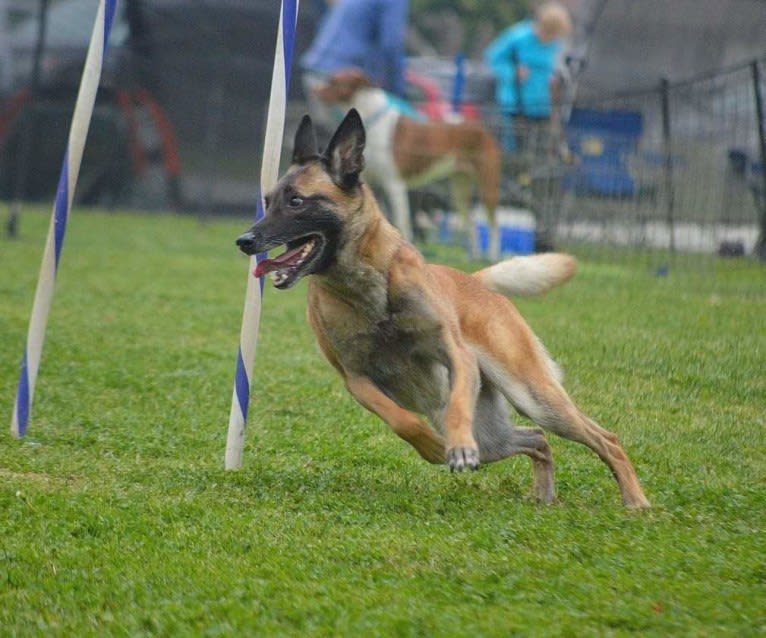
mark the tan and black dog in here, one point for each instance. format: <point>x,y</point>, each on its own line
<point>418,343</point>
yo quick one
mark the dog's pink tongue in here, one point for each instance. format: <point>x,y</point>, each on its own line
<point>285,259</point>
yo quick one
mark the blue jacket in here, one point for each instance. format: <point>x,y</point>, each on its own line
<point>520,45</point>
<point>366,34</point>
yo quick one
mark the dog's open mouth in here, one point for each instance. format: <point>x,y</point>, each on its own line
<point>288,267</point>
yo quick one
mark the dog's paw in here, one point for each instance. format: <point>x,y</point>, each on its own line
<point>461,458</point>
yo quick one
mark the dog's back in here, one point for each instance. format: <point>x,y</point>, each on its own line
<point>418,144</point>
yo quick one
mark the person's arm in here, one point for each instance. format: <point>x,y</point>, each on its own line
<point>502,56</point>
<point>392,36</point>
<point>499,54</point>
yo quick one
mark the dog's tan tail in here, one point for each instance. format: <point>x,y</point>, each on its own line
<point>528,276</point>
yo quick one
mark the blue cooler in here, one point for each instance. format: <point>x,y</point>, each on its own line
<point>517,231</point>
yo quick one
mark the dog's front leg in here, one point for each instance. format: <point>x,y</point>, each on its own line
<point>404,423</point>
<point>462,449</point>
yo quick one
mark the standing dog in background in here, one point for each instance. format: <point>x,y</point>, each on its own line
<point>403,153</point>
<point>412,339</point>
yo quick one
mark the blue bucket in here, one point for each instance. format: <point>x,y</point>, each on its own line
<point>513,239</point>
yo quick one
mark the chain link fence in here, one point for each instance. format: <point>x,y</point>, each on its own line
<point>667,174</point>
<point>679,168</point>
<point>674,171</point>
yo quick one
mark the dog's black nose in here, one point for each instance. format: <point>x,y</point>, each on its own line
<point>245,242</point>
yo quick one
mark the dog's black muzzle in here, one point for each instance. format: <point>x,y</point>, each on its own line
<point>261,238</point>
<point>265,234</point>
<point>247,243</point>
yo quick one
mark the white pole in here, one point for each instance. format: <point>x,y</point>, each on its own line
<point>67,181</point>
<point>272,147</point>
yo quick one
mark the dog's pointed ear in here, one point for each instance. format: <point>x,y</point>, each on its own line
<point>344,157</point>
<point>305,147</point>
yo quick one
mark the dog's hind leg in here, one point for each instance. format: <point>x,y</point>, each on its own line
<point>462,189</point>
<point>488,165</point>
<point>568,421</point>
<point>405,424</point>
<point>548,404</point>
<point>518,365</point>
<point>494,235</point>
<point>488,194</point>
<point>498,439</point>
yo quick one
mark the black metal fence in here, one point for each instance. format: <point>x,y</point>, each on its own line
<point>673,170</point>
<point>679,168</point>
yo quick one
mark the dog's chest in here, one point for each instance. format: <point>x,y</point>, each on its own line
<point>403,353</point>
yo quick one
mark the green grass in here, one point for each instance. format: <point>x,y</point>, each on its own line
<point>117,518</point>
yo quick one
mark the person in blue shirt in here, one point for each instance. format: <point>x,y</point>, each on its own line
<point>524,58</point>
<point>365,34</point>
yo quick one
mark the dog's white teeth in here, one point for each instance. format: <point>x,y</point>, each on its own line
<point>307,249</point>
<point>278,276</point>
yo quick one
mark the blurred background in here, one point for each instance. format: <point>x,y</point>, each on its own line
<point>661,118</point>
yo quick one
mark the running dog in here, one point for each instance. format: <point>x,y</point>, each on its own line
<point>418,343</point>
<point>403,153</point>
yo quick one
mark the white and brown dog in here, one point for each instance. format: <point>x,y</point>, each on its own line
<point>403,153</point>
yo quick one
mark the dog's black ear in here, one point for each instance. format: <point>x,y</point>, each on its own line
<point>344,157</point>
<point>305,148</point>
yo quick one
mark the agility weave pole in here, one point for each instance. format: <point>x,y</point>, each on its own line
<point>70,169</point>
<point>272,146</point>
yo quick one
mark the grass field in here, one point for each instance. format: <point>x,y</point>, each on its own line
<point>117,518</point>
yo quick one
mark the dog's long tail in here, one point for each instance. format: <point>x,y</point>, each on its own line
<point>527,276</point>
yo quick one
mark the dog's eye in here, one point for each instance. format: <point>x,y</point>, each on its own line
<point>295,201</point>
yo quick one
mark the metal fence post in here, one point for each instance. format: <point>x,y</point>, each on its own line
<point>760,245</point>
<point>668,159</point>
<point>28,124</point>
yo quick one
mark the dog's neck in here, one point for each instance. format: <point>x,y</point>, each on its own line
<point>372,103</point>
<point>363,282</point>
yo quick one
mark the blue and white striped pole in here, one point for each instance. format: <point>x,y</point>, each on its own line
<point>272,147</point>
<point>70,168</point>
